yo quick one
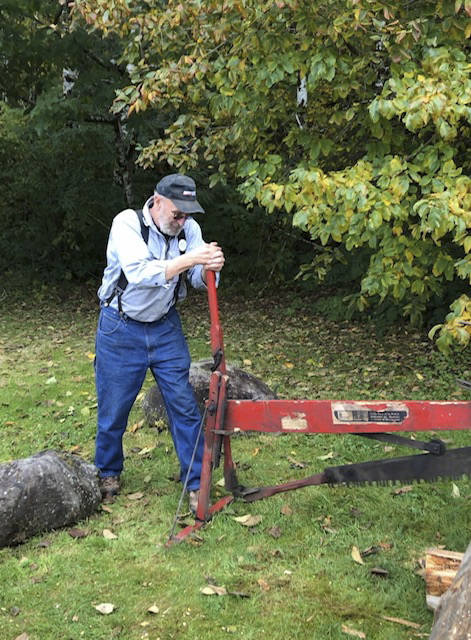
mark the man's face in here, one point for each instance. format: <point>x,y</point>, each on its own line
<point>167,216</point>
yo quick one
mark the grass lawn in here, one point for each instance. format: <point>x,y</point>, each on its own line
<point>292,575</point>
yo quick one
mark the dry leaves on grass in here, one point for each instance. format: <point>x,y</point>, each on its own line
<point>105,608</point>
<point>135,496</point>
<point>402,490</point>
<point>153,609</point>
<point>109,535</point>
<point>22,636</point>
<point>356,555</point>
<point>327,456</point>
<point>248,520</point>
<point>213,590</point>
<point>263,584</point>
<point>286,510</point>
<point>77,533</point>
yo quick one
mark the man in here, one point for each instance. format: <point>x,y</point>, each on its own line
<point>139,327</point>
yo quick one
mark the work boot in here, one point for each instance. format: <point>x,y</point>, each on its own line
<point>109,488</point>
<point>193,497</point>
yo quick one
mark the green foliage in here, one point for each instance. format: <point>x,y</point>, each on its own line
<point>377,156</point>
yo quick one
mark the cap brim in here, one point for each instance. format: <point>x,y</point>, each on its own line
<point>188,206</point>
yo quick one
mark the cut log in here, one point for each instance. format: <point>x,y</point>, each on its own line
<point>441,567</point>
<point>453,615</point>
<point>242,386</point>
<point>47,491</point>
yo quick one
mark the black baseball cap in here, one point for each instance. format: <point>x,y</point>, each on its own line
<point>181,190</point>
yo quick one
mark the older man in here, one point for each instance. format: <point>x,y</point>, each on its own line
<point>139,327</point>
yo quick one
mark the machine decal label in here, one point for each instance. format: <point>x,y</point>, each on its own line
<point>343,413</point>
<point>296,422</point>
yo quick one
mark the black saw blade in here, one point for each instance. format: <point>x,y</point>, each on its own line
<point>452,464</point>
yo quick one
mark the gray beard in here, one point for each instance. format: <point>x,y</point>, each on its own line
<point>169,228</point>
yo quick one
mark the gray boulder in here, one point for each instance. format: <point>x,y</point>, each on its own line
<point>47,491</point>
<point>242,386</point>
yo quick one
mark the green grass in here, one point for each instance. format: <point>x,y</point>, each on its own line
<point>303,583</point>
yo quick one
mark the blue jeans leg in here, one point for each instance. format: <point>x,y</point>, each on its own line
<point>120,368</point>
<point>170,364</point>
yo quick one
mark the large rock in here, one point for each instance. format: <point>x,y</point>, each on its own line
<point>49,490</point>
<point>242,386</point>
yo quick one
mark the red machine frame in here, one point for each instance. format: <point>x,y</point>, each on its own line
<point>224,416</point>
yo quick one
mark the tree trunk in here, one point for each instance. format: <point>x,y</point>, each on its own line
<point>49,490</point>
<point>453,615</point>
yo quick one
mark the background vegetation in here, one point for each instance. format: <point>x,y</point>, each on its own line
<point>329,141</point>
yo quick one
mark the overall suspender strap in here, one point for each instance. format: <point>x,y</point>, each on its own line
<point>182,247</point>
<point>123,281</point>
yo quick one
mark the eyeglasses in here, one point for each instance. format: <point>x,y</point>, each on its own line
<point>180,215</point>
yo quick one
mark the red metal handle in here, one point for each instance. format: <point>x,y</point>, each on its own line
<point>217,341</point>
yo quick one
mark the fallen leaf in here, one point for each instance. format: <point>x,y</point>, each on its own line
<point>51,380</point>
<point>213,590</point>
<point>327,456</point>
<point>77,533</point>
<point>109,535</point>
<point>145,451</point>
<point>288,365</point>
<point>352,632</point>
<point>295,463</point>
<point>247,363</point>
<point>44,544</point>
<point>263,584</point>
<point>378,571</point>
<point>104,507</point>
<point>105,608</point>
<point>402,490</point>
<point>22,636</point>
<point>135,496</point>
<point>286,510</point>
<point>455,492</point>
<point>370,551</point>
<point>275,532</point>
<point>153,609</point>
<point>356,555</point>
<point>385,546</point>
<point>238,594</point>
<point>137,425</point>
<point>90,355</point>
<point>405,623</point>
<point>248,520</point>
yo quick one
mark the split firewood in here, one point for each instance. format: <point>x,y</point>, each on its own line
<point>441,567</point>
<point>453,614</point>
